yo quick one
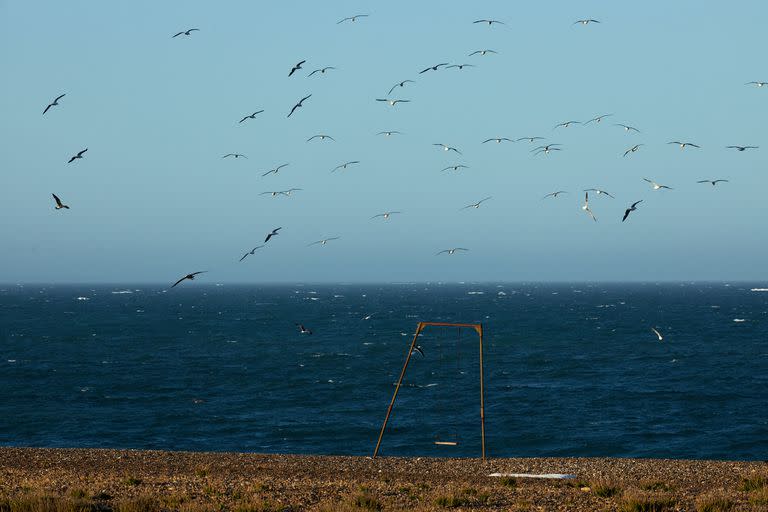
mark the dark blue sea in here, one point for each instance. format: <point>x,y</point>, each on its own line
<point>570,369</point>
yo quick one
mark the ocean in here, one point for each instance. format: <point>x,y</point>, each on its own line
<point>569,369</point>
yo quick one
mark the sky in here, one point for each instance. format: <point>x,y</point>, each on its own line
<point>153,199</point>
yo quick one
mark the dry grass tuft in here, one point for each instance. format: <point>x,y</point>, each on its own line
<point>754,483</point>
<point>713,503</point>
<point>647,502</point>
<point>605,488</point>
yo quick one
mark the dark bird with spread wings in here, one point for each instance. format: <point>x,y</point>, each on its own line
<point>299,104</point>
<point>189,276</point>
<point>53,104</point>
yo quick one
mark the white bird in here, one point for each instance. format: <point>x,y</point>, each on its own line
<point>389,133</point>
<point>627,128</point>
<point>530,139</point>
<point>392,102</point>
<point>289,191</point>
<point>598,192</point>
<point>451,251</point>
<point>460,66</point>
<point>417,348</point>
<point>545,149</point>
<point>586,207</point>
<point>54,103</point>
<point>657,333</point>
<point>447,148</point>
<point>321,136</point>
<point>598,118</point>
<point>323,241</point>
<point>585,22</point>
<point>477,204</point>
<point>304,330</point>
<point>384,215</point>
<point>497,140</point>
<point>655,185</point>
<point>758,84</point>
<point>482,52</point>
<point>433,68</point>
<point>684,144</point>
<point>566,124</point>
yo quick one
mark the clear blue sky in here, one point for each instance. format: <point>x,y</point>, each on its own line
<point>153,199</point>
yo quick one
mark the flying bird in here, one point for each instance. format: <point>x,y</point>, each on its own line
<point>455,167</point>
<point>433,68</point>
<point>191,277</point>
<point>400,84</point>
<point>655,185</point>
<point>251,252</point>
<point>684,144</point>
<point>447,148</point>
<point>304,330</point>
<point>299,104</point>
<point>585,22</point>
<point>236,155</point>
<point>59,204</point>
<point>627,128</point>
<point>344,165</point>
<point>321,136</point>
<point>759,84</point>
<point>352,18</point>
<point>586,207</point>
<point>490,22</point>
<point>290,191</point>
<point>497,139</point>
<point>460,66</point>
<point>323,241</point>
<point>598,118</point>
<point>633,149</point>
<point>384,215</point>
<point>630,209</point>
<point>53,103</point>
<point>451,251</point>
<point>545,149</point>
<point>599,191</point>
<point>186,32</point>
<point>530,139</point>
<point>482,52</point>
<point>477,204</point>
<point>78,155</point>
<point>273,233</point>
<point>389,133</point>
<point>275,170</point>
<point>296,67</point>
<point>567,124</point>
<point>321,70</point>
<point>252,116</point>
<point>713,182</point>
<point>417,348</point>
<point>555,194</point>
<point>657,333</point>
<point>741,148</point>
<point>391,102</point>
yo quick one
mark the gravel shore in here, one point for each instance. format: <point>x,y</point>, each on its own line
<point>141,481</point>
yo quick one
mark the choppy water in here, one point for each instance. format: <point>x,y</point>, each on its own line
<point>570,370</point>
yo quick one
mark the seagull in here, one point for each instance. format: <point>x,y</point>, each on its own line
<point>529,139</point>
<point>271,171</point>
<point>321,136</point>
<point>447,148</point>
<point>299,104</point>
<point>497,139</point>
<point>252,116</point>
<point>273,233</point>
<point>384,215</point>
<point>598,118</point>
<point>633,149</point>
<point>274,193</point>
<point>451,251</point>
<point>296,67</point>
<point>353,18</point>
<point>189,276</point>
<point>555,194</point>
<point>186,32</point>
<point>490,22</point>
<point>236,155</point>
<point>713,182</point>
<point>683,144</point>
<point>321,70</point>
<point>252,251</point>
<point>54,103</point>
<point>657,333</point>
<point>741,148</point>
<point>599,191</point>
<point>78,155</point>
<point>400,84</point>
<point>323,241</point>
<point>477,204</point>
<point>392,103</point>
<point>344,165</point>
<point>630,209</point>
<point>567,124</point>
<point>461,66</point>
<point>585,22</point>
<point>289,191</point>
<point>482,52</point>
<point>627,128</point>
<point>655,185</point>
<point>759,84</point>
<point>455,167</point>
<point>59,204</point>
<point>586,207</point>
<point>545,149</point>
<point>417,348</point>
<point>389,133</point>
<point>433,68</point>
<point>303,330</point>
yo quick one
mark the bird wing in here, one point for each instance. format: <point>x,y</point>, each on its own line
<point>176,35</point>
<point>244,255</point>
<point>312,73</point>
<point>56,198</point>
<point>392,89</point>
<point>704,181</point>
<point>243,119</point>
<point>658,334</point>
<point>81,152</point>
<point>294,108</point>
<point>46,108</point>
<point>183,278</point>
<point>268,237</point>
<point>649,181</point>
<point>636,203</point>
<point>314,243</point>
<point>425,70</point>
<point>606,193</point>
<point>626,214</point>
<point>692,145</point>
<point>717,181</point>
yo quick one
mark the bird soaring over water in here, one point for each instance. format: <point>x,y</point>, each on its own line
<point>446,147</point>
<point>460,66</point>
<point>321,136</point>
<point>586,207</point>
<point>530,139</point>
<point>273,233</point>
<point>352,18</point>
<point>627,128</point>
<point>296,67</point>
<point>585,22</point>
<point>252,116</point>
<point>433,68</point>
<point>630,209</point>
<point>454,167</point>
<point>598,118</point>
<point>251,252</point>
<point>758,84</point>
<point>191,277</point>
<point>684,144</point>
<point>482,52</point>
<point>633,149</point>
<point>567,124</point>
<point>323,241</point>
<point>400,84</point>
<point>742,148</point>
<point>275,170</point>
<point>497,140</point>
<point>384,215</point>
<point>545,149</point>
<point>451,251</point>
<point>477,204</point>
<point>53,103</point>
<point>490,22</point>
<point>186,32</point>
<point>713,182</point>
<point>77,156</point>
<point>555,194</point>
<point>235,155</point>
<point>599,192</point>
<point>59,204</point>
<point>299,104</point>
<point>417,348</point>
<point>389,133</point>
<point>655,185</point>
<point>657,333</point>
<point>320,70</point>
<point>392,102</point>
<point>344,165</point>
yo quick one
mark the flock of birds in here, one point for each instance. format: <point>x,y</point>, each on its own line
<point>541,149</point>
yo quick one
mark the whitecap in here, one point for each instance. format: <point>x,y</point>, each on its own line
<point>120,292</point>
<point>83,298</point>
<point>739,320</point>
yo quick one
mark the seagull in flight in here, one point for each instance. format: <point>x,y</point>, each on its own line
<point>758,84</point>
<point>275,170</point>
<point>391,102</point>
<point>477,204</point>
<point>498,140</point>
<point>304,330</point>
<point>657,333</point>
<point>400,84</point>
<point>627,128</point>
<point>344,165</point>
<point>630,209</point>
<point>384,215</point>
<point>713,182</point>
<point>236,155</point>
<point>461,66</point>
<point>78,155</point>
<point>433,68</point>
<point>482,52</point>
<point>683,144</point>
<point>567,124</point>
<point>455,167</point>
<point>598,118</point>
<point>529,139</point>
<point>186,32</point>
<point>389,133</point>
<point>321,70</point>
<point>189,276</point>
<point>323,241</point>
<point>555,194</point>
<point>417,348</point>
<point>53,103</point>
<point>545,149</point>
<point>655,185</point>
<point>586,207</point>
<point>59,204</point>
<point>251,252</point>
<point>599,191</point>
<point>296,67</point>
<point>352,18</point>
<point>289,191</point>
<point>490,22</point>
<point>321,136</point>
<point>585,22</point>
<point>451,251</point>
<point>633,149</point>
<point>447,148</point>
<point>299,104</point>
<point>741,148</point>
<point>273,233</point>
<point>252,116</point>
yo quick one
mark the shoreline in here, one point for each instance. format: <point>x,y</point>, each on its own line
<point>205,481</point>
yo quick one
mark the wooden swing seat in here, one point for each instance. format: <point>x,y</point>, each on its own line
<point>447,443</point>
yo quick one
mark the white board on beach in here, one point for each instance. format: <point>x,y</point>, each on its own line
<point>551,476</point>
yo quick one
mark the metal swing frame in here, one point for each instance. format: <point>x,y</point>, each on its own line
<point>479,330</point>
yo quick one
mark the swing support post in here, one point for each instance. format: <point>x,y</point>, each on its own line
<point>479,330</point>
